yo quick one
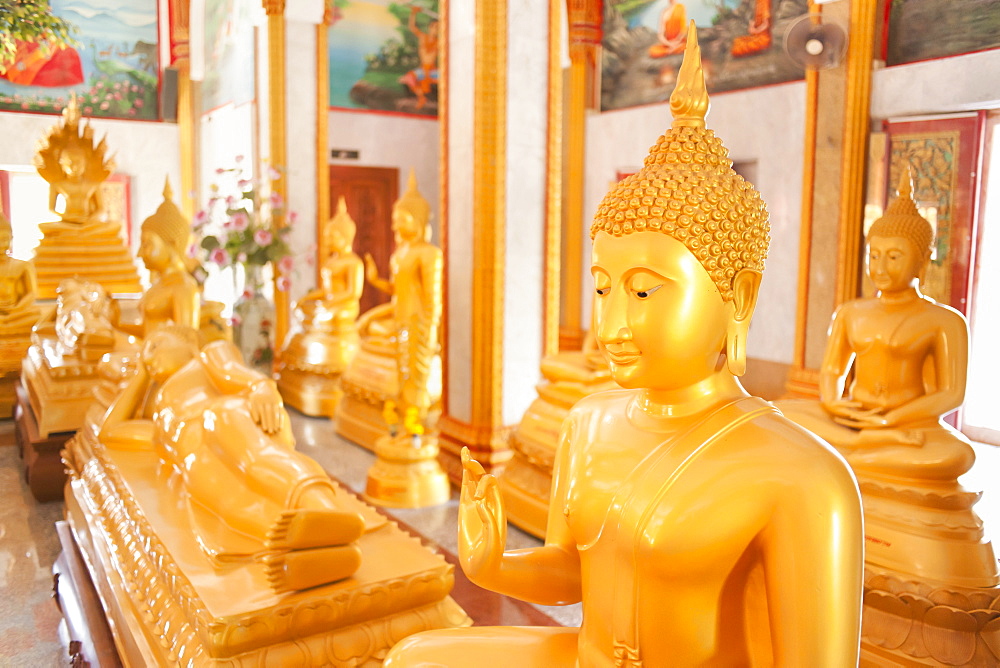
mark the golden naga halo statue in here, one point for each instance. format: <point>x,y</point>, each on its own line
<point>924,541</point>
<point>83,244</point>
<point>324,339</point>
<point>682,509</point>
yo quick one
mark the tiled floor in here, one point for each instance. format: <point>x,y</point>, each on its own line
<point>29,618</point>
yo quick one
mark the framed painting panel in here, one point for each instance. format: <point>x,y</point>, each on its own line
<point>230,76</point>
<point>113,68</point>
<point>742,46</point>
<point>384,56</point>
<point>926,29</point>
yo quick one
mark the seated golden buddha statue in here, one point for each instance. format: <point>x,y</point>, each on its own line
<point>18,314</point>
<point>697,525</point>
<point>909,357</point>
<point>325,338</point>
<point>221,425</point>
<point>396,375</point>
<point>174,296</point>
<point>569,376</point>
<point>213,541</point>
<point>83,244</point>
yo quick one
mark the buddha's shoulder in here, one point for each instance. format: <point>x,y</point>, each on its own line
<point>606,402</point>
<point>770,439</point>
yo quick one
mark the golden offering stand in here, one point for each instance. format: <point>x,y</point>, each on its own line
<point>83,244</point>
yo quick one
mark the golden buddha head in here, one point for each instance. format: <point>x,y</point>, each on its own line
<point>69,153</point>
<point>900,242</point>
<point>165,234</point>
<point>411,213</point>
<point>340,230</point>
<point>688,223</point>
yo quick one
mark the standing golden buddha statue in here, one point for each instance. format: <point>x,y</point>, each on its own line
<point>909,357</point>
<point>83,244</point>
<point>324,339</point>
<point>696,524</point>
<point>396,375</point>
<point>394,381</point>
<point>18,313</point>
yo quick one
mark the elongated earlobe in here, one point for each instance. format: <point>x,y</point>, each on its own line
<point>746,285</point>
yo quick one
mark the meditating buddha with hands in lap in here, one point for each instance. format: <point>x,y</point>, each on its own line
<point>18,311</point>
<point>695,523</point>
<point>222,427</point>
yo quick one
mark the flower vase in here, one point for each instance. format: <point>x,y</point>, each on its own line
<point>253,321</point>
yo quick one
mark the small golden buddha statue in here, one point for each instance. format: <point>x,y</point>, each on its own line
<point>569,376</point>
<point>695,523</point>
<point>83,244</point>
<point>222,426</point>
<point>399,360</point>
<point>18,313</point>
<point>909,357</point>
<point>325,338</point>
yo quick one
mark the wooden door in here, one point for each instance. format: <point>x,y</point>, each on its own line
<point>370,193</point>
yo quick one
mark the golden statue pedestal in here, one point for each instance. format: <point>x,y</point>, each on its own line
<point>527,478</point>
<point>367,383</point>
<point>60,387</point>
<point>91,252</point>
<point>308,374</point>
<point>406,473</point>
<point>11,353</point>
<point>167,604</point>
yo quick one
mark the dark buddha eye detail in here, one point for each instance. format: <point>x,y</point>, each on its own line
<point>602,291</point>
<point>643,294</point>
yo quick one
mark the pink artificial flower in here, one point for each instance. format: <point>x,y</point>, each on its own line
<point>239,158</point>
<point>240,221</point>
<point>276,200</point>
<point>241,257</point>
<point>248,293</point>
<point>273,174</point>
<point>200,218</point>
<point>244,184</point>
<point>284,284</point>
<point>192,250</point>
<point>236,320</point>
<point>219,257</point>
<point>263,237</point>
<point>286,264</point>
<point>220,170</point>
<point>292,217</point>
<point>231,201</point>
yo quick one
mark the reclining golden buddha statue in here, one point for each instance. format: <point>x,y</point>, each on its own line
<point>18,314</point>
<point>82,244</point>
<point>394,382</point>
<point>230,547</point>
<point>696,525</point>
<point>929,563</point>
<point>325,337</point>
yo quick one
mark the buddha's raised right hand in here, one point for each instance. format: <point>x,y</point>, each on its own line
<point>482,522</point>
<point>371,269</point>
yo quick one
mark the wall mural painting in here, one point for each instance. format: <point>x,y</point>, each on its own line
<point>112,68</point>
<point>229,53</point>
<point>384,56</point>
<point>742,46</point>
<point>926,29</point>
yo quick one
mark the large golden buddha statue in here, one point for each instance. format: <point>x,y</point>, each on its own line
<point>83,244</point>
<point>325,338</point>
<point>213,541</point>
<point>695,523</point>
<point>18,314</point>
<point>399,360</point>
<point>909,358</point>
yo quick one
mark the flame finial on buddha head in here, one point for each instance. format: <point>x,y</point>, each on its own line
<point>688,189</point>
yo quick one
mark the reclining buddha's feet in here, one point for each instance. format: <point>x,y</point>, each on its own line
<point>304,528</point>
<point>301,569</point>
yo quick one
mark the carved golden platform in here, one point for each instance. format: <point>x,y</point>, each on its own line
<point>406,473</point>
<point>167,605</point>
<point>527,478</point>
<point>367,383</point>
<point>11,353</point>
<point>92,252</point>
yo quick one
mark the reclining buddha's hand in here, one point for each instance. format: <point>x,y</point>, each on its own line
<point>482,522</point>
<point>266,406</point>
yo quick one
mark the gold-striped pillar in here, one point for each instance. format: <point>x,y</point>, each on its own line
<point>500,200</point>
<point>275,10</point>
<point>180,34</point>
<point>837,130</point>
<point>322,130</point>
